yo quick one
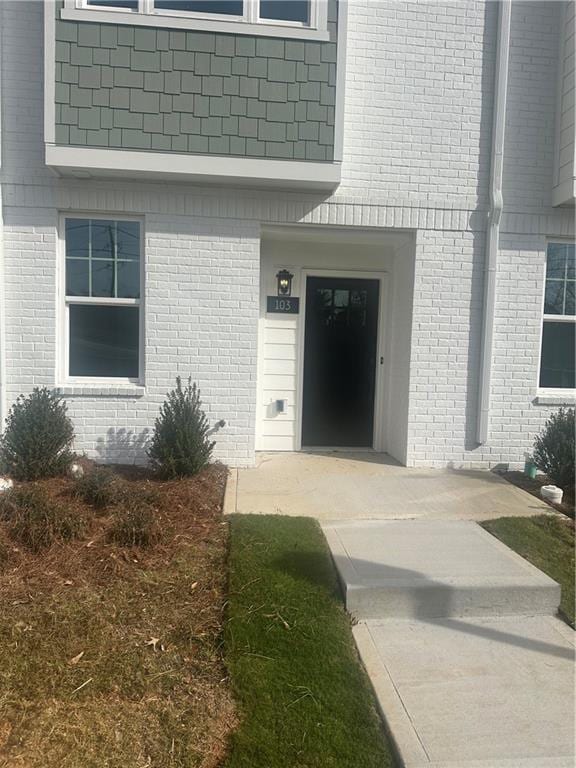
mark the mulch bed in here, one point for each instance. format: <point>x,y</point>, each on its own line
<point>521,480</point>
<point>146,621</point>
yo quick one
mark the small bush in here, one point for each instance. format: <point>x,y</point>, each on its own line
<point>554,452</point>
<point>99,487</point>
<point>36,521</point>
<point>180,444</point>
<point>38,437</point>
<point>135,525</point>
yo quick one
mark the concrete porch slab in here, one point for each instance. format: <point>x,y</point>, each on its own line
<point>474,693</point>
<point>433,569</point>
<point>346,486</point>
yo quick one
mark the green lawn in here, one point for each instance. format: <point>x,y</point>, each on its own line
<point>548,543</point>
<point>303,698</point>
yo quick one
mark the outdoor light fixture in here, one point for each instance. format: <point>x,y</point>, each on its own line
<point>284,282</point>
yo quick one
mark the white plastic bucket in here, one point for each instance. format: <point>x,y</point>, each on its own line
<point>6,484</point>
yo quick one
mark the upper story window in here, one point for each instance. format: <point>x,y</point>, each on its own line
<point>287,18</point>
<point>102,278</point>
<point>557,365</point>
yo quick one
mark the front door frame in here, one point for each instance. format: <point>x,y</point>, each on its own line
<point>359,274</point>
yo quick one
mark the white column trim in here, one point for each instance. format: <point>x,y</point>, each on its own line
<point>49,72</point>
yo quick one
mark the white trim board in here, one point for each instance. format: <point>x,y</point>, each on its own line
<point>85,162</point>
<point>49,73</point>
<point>340,80</point>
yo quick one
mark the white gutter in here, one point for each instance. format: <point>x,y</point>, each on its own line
<point>494,216</point>
<point>2,281</point>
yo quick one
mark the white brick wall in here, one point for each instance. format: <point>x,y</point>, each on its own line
<point>417,137</point>
<point>532,92</point>
<point>418,100</point>
<point>565,154</point>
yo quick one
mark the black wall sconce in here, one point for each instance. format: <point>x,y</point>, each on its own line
<point>284,279</point>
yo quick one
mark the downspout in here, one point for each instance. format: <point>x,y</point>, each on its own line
<point>494,217</point>
<point>2,279</point>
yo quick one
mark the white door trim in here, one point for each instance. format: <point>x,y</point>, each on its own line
<point>382,277</point>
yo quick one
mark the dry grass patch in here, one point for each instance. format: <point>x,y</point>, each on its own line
<point>112,654</point>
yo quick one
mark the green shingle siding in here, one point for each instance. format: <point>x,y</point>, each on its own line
<point>183,91</point>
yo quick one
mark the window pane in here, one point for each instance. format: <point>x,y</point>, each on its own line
<point>340,298</point>
<point>556,261</point>
<point>103,279</point>
<point>557,365</point>
<point>554,298</point>
<point>132,5</point>
<point>228,7</point>
<point>570,305</point>
<point>128,280</point>
<point>103,237</point>
<point>286,10</point>
<point>571,259</point>
<point>77,277</point>
<point>104,341</point>
<point>77,238</point>
<point>128,240</point>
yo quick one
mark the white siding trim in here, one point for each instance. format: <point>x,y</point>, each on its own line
<point>340,80</point>
<point>49,72</point>
<point>203,168</point>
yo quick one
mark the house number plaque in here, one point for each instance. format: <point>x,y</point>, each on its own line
<point>283,305</point>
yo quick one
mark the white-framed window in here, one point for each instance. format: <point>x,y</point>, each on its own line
<point>289,18</point>
<point>557,352</point>
<point>102,280</point>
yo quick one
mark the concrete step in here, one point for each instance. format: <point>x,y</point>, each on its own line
<point>416,569</point>
<point>474,693</point>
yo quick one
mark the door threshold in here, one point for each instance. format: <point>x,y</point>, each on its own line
<point>336,449</point>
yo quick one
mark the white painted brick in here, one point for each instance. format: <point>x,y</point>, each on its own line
<point>416,156</point>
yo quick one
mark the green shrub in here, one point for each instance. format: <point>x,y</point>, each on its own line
<point>554,452</point>
<point>180,444</point>
<point>38,437</point>
<point>99,487</point>
<point>135,525</point>
<point>36,521</point>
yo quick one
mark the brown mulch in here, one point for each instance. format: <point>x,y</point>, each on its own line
<point>187,510</point>
<point>520,480</point>
<point>147,622</point>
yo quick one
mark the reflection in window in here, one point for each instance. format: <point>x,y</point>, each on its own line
<point>103,258</point>
<point>130,5</point>
<point>286,10</point>
<point>103,274</point>
<point>104,341</point>
<point>557,366</point>
<point>340,307</point>
<point>220,7</point>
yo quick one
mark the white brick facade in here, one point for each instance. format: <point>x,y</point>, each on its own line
<point>419,92</point>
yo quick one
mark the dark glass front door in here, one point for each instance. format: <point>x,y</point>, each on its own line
<point>340,361</point>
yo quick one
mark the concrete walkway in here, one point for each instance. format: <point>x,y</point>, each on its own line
<point>470,666</point>
<point>331,486</point>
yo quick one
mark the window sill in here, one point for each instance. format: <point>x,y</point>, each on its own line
<point>555,398</point>
<point>102,390</point>
<point>194,23</point>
